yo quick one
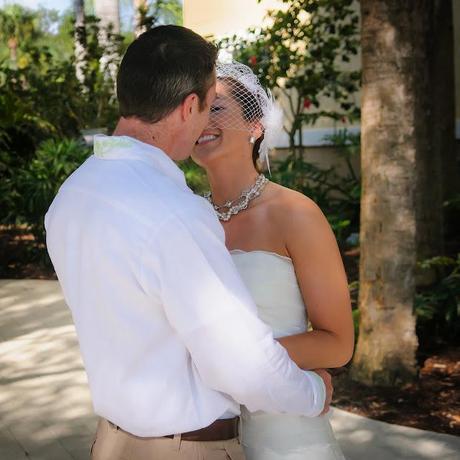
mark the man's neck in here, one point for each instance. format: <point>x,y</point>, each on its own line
<point>144,132</point>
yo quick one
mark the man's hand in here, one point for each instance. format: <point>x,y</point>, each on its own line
<point>327,379</point>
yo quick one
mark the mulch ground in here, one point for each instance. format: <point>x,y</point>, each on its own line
<point>20,258</point>
<point>432,402</point>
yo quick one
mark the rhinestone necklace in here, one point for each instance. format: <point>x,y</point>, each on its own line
<point>241,203</point>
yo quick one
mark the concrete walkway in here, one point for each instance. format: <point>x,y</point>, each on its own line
<point>45,408</point>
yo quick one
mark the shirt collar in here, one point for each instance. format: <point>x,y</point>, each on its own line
<point>125,147</point>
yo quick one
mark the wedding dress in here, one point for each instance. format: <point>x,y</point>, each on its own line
<point>272,281</point>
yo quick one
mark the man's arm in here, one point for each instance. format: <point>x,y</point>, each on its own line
<point>207,304</point>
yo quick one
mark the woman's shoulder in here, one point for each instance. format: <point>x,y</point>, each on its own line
<point>292,208</point>
<point>298,220</point>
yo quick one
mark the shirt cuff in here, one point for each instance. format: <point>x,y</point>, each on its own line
<point>319,393</point>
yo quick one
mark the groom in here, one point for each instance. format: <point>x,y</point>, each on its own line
<point>168,333</point>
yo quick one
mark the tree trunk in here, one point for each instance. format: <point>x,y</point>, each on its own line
<point>108,11</point>
<point>140,12</point>
<point>391,57</point>
<point>80,40</point>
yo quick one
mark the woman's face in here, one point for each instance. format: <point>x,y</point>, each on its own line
<point>227,133</point>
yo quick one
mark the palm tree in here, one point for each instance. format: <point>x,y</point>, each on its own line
<point>108,11</point>
<point>80,40</point>
<point>140,13</point>
<point>391,34</point>
<point>19,27</point>
<point>408,169</point>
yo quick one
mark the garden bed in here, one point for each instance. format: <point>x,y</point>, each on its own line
<point>432,402</point>
<point>20,257</point>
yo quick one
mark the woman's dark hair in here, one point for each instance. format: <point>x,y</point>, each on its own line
<point>160,69</point>
<point>250,107</point>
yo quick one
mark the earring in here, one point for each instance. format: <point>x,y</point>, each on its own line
<point>252,140</point>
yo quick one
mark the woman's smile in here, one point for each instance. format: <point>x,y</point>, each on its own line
<point>208,137</point>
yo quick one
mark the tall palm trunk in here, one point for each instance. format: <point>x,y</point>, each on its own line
<point>80,40</point>
<point>391,57</point>
<point>108,11</point>
<point>140,11</point>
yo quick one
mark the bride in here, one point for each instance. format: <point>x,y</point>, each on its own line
<point>286,254</point>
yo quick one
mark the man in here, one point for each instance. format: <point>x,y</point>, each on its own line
<point>169,335</point>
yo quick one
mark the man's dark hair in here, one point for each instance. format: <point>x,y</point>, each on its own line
<point>160,69</point>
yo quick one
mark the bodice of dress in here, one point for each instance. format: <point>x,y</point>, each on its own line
<point>272,282</point>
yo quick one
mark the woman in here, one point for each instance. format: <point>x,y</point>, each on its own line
<point>285,252</point>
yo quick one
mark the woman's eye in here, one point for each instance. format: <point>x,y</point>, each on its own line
<point>216,108</point>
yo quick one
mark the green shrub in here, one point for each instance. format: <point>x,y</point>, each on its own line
<point>437,306</point>
<point>337,196</point>
<point>195,176</point>
<point>37,183</point>
<point>299,53</point>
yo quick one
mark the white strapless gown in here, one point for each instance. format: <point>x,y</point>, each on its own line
<point>272,282</point>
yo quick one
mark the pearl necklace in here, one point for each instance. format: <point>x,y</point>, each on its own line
<point>241,203</point>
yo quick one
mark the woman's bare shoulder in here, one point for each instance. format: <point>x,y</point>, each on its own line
<point>291,209</point>
<point>301,224</point>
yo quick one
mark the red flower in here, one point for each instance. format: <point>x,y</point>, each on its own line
<point>344,119</point>
<point>306,104</point>
<point>253,60</point>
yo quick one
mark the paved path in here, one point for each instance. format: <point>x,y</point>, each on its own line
<point>45,408</point>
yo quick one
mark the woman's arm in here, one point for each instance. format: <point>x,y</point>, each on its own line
<point>321,276</point>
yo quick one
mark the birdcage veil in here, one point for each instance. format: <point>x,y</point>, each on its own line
<point>257,105</point>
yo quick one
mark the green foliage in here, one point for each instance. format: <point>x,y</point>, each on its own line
<point>160,12</point>
<point>37,102</point>
<point>98,104</point>
<point>19,27</point>
<point>8,194</point>
<point>438,306</point>
<point>37,183</point>
<point>353,287</point>
<point>302,57</point>
<point>35,87</point>
<point>453,203</point>
<point>195,176</point>
<point>37,99</point>
<point>41,97</point>
<point>337,195</point>
<point>35,28</point>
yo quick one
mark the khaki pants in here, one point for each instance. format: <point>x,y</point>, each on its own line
<point>114,444</point>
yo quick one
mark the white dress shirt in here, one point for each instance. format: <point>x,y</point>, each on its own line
<point>169,335</point>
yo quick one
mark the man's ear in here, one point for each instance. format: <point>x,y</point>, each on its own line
<point>189,105</point>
